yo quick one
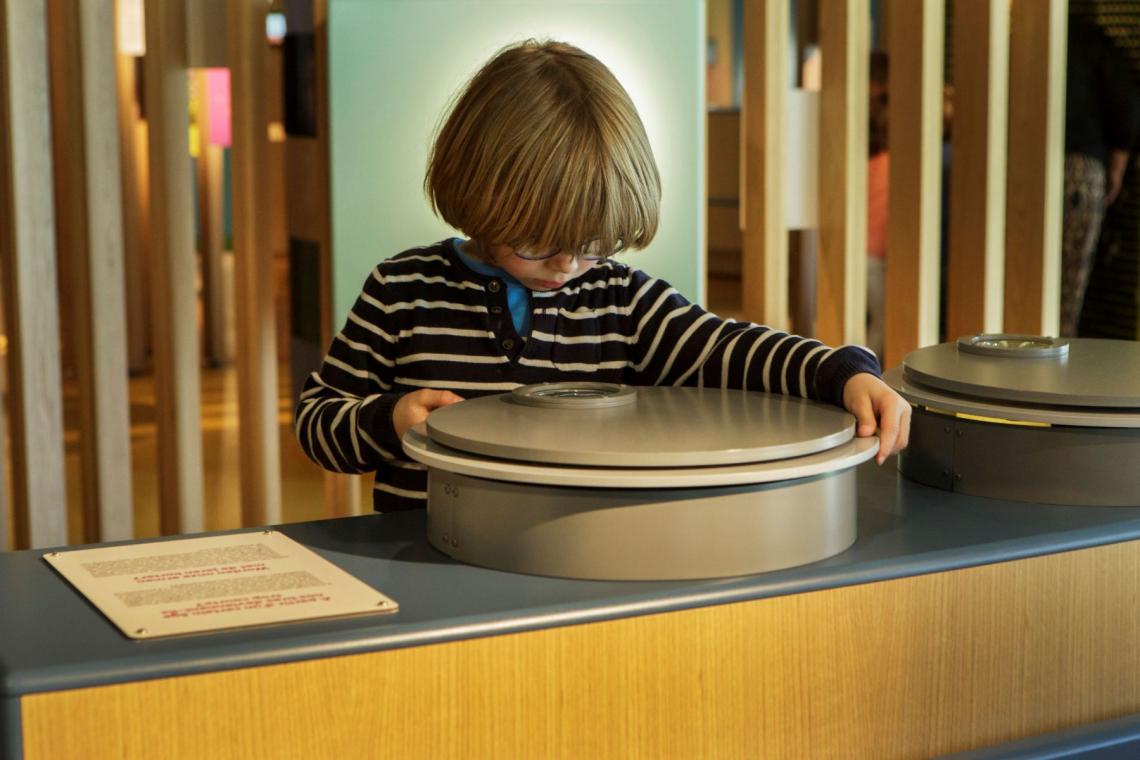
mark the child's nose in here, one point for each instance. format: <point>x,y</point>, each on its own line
<point>564,262</point>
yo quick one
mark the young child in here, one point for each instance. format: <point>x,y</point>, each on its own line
<point>544,165</point>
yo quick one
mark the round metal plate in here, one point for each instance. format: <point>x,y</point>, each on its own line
<point>1094,373</point>
<point>426,451</point>
<point>998,411</point>
<point>662,427</point>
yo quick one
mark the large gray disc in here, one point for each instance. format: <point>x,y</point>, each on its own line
<point>845,456</point>
<point>1002,411</point>
<point>660,427</point>
<point>1094,373</point>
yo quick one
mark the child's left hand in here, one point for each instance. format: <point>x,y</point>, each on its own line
<point>876,405</point>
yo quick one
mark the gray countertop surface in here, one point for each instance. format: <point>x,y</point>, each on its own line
<point>51,638</point>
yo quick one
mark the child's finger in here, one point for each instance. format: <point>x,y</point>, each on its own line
<point>888,434</point>
<point>904,428</point>
<point>433,400</point>
<point>865,422</point>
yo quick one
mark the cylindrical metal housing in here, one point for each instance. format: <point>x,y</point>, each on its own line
<point>1025,418</point>
<point>583,480</point>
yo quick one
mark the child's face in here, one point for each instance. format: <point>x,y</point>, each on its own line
<point>544,274</point>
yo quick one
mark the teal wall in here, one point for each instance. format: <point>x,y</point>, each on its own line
<point>394,65</point>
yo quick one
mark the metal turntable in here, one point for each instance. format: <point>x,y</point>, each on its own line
<point>1025,418</point>
<point>604,481</point>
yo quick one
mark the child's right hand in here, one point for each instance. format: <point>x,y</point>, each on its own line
<point>413,408</point>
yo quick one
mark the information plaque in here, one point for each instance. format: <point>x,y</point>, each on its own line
<point>213,583</point>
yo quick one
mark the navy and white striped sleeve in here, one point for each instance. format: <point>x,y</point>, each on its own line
<point>344,414</point>
<point>676,342</point>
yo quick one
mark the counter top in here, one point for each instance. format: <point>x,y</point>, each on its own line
<point>51,638</point>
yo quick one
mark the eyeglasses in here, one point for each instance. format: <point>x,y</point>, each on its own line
<point>590,251</point>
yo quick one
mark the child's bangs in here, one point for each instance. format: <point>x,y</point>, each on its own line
<point>577,200</point>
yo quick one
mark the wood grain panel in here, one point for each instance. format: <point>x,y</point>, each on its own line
<point>1035,177</point>
<point>978,167</point>
<point>173,271</point>
<point>253,259</point>
<point>764,276</point>
<point>915,210</point>
<point>89,224</point>
<point>30,300</point>
<point>841,281</point>
<point>908,668</point>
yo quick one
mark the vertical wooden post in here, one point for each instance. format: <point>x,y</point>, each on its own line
<point>914,215</point>
<point>90,238</point>
<point>841,278</point>
<point>173,270</point>
<point>1035,178</point>
<point>27,225</point>
<point>977,179</point>
<point>136,212</point>
<point>105,283</point>
<point>308,219</point>
<point>764,264</point>
<point>253,254</point>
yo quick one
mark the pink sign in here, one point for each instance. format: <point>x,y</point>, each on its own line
<point>218,127</point>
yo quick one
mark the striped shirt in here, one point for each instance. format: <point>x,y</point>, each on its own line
<point>425,320</point>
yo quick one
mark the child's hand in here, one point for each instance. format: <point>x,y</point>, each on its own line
<point>413,408</point>
<point>876,405</point>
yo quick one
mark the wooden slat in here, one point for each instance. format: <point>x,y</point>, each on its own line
<point>764,270</point>
<point>90,244</point>
<point>308,218</point>
<point>30,300</point>
<point>173,271</point>
<point>136,213</point>
<point>841,278</point>
<point>915,210</point>
<point>1035,176</point>
<point>253,276</point>
<point>910,668</point>
<point>978,167</point>
<point>344,494</point>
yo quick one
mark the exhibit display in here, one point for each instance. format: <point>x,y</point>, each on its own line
<point>1026,418</point>
<point>939,588</point>
<point>612,482</point>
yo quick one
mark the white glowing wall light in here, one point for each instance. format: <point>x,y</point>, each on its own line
<point>275,27</point>
<point>131,23</point>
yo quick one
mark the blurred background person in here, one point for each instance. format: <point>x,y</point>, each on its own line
<point>1101,122</point>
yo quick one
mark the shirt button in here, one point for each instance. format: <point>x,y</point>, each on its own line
<point>494,286</point>
<point>508,344</point>
<point>496,309</point>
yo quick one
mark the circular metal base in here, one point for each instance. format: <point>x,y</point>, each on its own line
<point>640,534</point>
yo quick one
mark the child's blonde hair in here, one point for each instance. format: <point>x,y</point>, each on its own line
<point>544,150</point>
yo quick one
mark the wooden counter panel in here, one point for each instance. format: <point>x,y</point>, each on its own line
<point>905,668</point>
